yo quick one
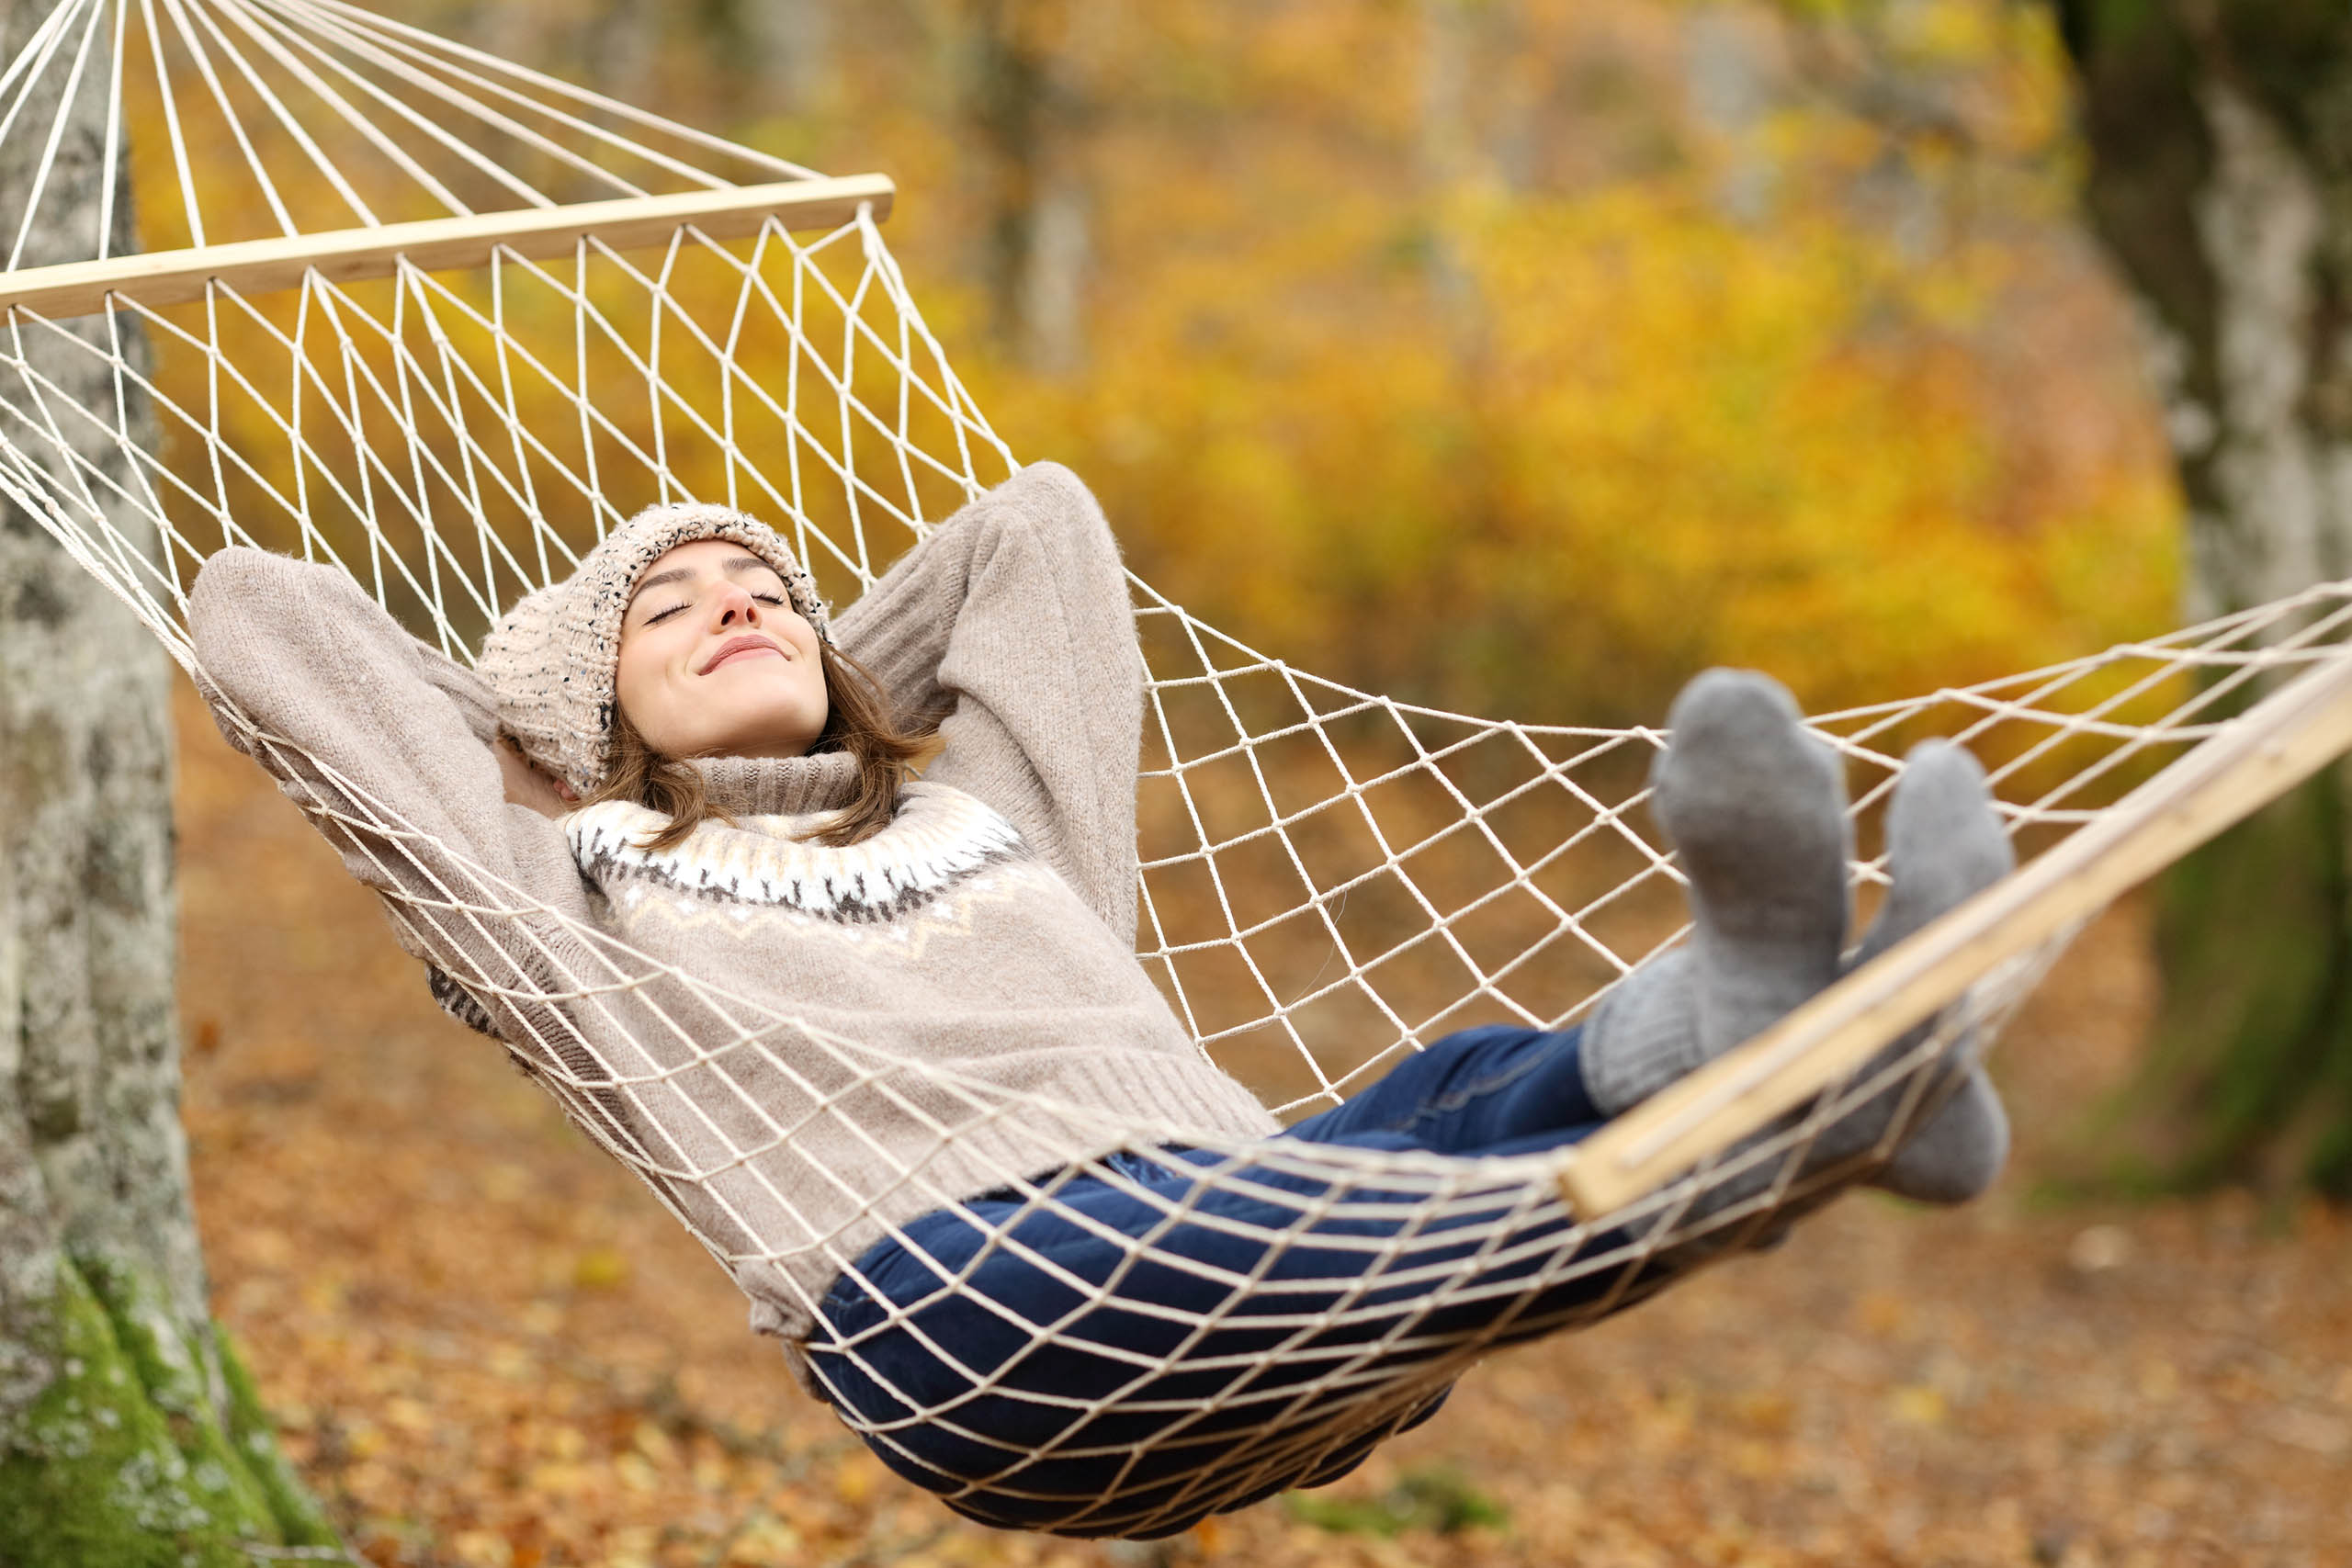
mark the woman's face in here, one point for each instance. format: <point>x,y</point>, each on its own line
<point>715,660</point>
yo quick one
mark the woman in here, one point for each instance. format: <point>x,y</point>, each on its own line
<point>885,1044</point>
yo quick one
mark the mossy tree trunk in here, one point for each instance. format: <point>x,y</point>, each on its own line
<point>129,1435</point>
<point>2220,135</point>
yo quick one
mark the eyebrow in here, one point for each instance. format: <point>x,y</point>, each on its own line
<point>680,573</point>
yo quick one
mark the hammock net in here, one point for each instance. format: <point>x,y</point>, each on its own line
<point>1330,878</point>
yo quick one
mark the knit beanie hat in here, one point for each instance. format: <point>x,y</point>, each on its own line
<point>552,659</point>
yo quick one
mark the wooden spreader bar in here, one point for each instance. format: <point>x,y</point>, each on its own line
<point>2271,748</point>
<point>435,245</point>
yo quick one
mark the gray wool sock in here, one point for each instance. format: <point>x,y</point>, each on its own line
<point>1755,808</point>
<point>1944,846</point>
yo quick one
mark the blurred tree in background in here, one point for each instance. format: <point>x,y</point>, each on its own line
<point>2220,138</point>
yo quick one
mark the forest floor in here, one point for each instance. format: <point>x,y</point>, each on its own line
<point>487,1345</point>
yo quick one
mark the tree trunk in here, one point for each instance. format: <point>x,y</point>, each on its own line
<point>2221,182</point>
<point>1019,93</point>
<point>128,1433</point>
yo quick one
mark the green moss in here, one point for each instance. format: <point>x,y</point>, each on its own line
<point>124,1459</point>
<point>181,1387</point>
<point>1437,1499</point>
<point>300,1519</point>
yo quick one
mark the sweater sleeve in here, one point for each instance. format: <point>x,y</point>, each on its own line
<point>1011,626</point>
<point>384,729</point>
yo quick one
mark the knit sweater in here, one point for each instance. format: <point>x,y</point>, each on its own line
<point>798,1046</point>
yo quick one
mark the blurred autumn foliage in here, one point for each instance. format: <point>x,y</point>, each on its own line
<point>1526,357</point>
<point>1545,439</point>
<point>1517,356</point>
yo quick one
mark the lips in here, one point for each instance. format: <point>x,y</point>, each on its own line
<point>740,647</point>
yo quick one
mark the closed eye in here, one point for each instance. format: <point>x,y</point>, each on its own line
<point>655,619</point>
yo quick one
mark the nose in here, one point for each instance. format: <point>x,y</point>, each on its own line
<point>733,605</point>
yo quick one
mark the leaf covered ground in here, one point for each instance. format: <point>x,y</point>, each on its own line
<point>487,1345</point>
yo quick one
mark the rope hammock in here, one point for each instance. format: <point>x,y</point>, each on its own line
<point>408,308</point>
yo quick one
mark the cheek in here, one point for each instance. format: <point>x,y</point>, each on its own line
<point>817,695</point>
<point>637,686</point>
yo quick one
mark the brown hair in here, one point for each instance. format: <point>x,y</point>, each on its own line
<point>859,720</point>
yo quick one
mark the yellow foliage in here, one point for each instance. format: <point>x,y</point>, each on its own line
<point>1549,451</point>
<point>1537,431</point>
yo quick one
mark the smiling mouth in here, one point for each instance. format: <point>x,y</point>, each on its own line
<point>741,647</point>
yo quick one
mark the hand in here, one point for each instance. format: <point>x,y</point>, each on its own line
<point>527,785</point>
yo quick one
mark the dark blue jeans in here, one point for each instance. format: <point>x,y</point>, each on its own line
<point>1025,1360</point>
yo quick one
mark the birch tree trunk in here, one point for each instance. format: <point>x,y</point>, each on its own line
<point>128,1433</point>
<point>2221,182</point>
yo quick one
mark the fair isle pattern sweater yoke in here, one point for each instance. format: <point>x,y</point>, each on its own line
<point>939,839</point>
<point>798,1046</point>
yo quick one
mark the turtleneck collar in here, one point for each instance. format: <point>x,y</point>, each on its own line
<point>774,787</point>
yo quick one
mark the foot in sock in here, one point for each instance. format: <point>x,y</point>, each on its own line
<point>1944,845</point>
<point>1754,806</point>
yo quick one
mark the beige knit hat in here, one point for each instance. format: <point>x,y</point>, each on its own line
<point>552,661</point>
